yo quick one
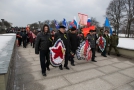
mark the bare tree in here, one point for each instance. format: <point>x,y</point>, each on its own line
<point>129,7</point>
<point>47,22</point>
<point>95,23</point>
<point>52,24</point>
<point>115,13</point>
<point>34,25</point>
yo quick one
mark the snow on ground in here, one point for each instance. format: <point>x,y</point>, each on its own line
<point>127,43</point>
<point>124,35</point>
<point>8,34</point>
<point>4,41</point>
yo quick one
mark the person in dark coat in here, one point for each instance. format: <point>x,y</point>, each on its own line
<point>42,44</point>
<point>64,37</point>
<point>106,36</point>
<point>73,43</point>
<point>91,39</point>
<point>19,36</point>
<point>24,38</point>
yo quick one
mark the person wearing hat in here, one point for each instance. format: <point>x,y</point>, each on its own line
<point>91,39</point>
<point>106,36</point>
<point>73,43</point>
<point>64,37</point>
<point>113,43</point>
<point>94,32</point>
<point>42,44</point>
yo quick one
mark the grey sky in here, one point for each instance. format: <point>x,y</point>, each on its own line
<point>23,12</point>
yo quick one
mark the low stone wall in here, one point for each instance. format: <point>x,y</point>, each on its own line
<point>6,64</point>
<point>125,52</point>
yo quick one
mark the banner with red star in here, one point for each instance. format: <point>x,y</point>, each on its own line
<point>57,53</point>
<point>101,43</point>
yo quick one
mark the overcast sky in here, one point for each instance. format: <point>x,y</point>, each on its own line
<point>23,12</point>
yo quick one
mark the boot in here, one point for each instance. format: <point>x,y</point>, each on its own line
<point>118,55</point>
<point>60,67</point>
<point>48,68</point>
<point>44,74</point>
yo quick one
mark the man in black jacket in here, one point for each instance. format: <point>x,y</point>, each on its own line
<point>64,37</point>
<point>24,38</point>
<point>42,44</point>
<point>74,44</point>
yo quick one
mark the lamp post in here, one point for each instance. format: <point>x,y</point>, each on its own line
<point>2,27</point>
<point>39,24</point>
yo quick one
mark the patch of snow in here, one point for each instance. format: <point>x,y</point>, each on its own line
<point>127,43</point>
<point>4,41</point>
<point>10,34</point>
<point>125,35</point>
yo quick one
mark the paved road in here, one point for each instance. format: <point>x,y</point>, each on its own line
<point>109,73</point>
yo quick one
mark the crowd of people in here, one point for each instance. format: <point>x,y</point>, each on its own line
<point>43,39</point>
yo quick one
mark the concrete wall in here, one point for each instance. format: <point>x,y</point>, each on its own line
<point>125,52</point>
<point>6,65</point>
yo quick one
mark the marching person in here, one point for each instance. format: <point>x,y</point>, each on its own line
<point>19,38</point>
<point>42,44</point>
<point>114,40</point>
<point>91,39</point>
<point>94,32</point>
<point>34,34</point>
<point>74,44</point>
<point>64,37</point>
<point>106,36</point>
<point>52,34</point>
<point>24,38</point>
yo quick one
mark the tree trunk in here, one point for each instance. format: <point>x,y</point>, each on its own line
<point>129,25</point>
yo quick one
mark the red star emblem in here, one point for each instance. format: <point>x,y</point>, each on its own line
<point>58,52</point>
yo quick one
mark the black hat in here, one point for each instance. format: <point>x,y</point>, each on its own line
<point>91,31</point>
<point>73,29</point>
<point>62,26</point>
<point>113,31</point>
<point>106,31</point>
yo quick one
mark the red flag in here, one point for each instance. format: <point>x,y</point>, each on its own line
<point>86,30</point>
<point>83,19</point>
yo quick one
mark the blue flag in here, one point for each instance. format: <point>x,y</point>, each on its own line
<point>56,25</point>
<point>107,24</point>
<point>64,23</point>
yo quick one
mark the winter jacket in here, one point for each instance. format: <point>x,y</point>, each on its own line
<point>73,41</point>
<point>114,40</point>
<point>43,42</point>
<point>91,39</point>
<point>24,35</point>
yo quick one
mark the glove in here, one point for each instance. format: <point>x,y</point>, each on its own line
<point>72,54</point>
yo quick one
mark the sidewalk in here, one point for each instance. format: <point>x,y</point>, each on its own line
<point>109,73</point>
